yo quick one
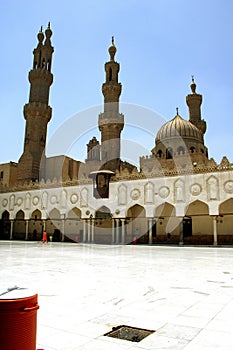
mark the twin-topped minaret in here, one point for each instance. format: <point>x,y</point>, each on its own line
<point>111,122</point>
<point>37,111</point>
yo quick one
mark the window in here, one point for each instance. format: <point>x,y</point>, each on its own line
<point>192,149</point>
<point>180,150</point>
<point>169,153</point>
<point>1,175</point>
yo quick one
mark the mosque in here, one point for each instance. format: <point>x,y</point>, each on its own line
<point>178,196</point>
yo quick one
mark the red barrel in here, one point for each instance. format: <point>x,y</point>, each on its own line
<point>18,317</point>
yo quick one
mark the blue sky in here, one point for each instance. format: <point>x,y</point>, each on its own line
<point>160,43</point>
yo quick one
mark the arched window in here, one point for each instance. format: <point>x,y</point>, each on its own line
<point>192,149</point>
<point>169,153</point>
<point>180,150</point>
<point>159,153</point>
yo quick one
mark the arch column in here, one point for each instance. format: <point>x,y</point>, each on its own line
<point>122,231</point>
<point>113,231</point>
<point>11,229</point>
<point>92,231</point>
<point>63,227</point>
<point>117,231</point>
<point>84,231</point>
<point>181,242</point>
<point>26,235</point>
<point>150,223</point>
<point>88,230</point>
<point>215,230</point>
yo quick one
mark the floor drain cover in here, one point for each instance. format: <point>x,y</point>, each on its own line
<point>129,333</point>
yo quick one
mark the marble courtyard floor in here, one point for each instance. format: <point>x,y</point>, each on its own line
<point>185,294</point>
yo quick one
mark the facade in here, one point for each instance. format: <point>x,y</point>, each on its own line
<point>179,196</point>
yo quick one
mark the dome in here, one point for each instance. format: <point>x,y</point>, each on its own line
<point>178,127</point>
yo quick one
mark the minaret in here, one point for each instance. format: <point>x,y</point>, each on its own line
<point>37,111</point>
<point>111,122</point>
<point>194,102</point>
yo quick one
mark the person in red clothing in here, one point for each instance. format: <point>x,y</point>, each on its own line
<point>45,237</point>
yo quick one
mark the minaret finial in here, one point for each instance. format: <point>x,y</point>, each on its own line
<point>41,29</point>
<point>49,25</point>
<point>112,50</point>
<point>193,85</point>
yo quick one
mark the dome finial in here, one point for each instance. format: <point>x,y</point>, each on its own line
<point>177,111</point>
<point>112,40</point>
<point>193,85</point>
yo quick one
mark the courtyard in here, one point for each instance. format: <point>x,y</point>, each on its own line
<point>184,294</point>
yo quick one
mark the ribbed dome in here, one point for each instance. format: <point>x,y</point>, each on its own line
<point>178,127</point>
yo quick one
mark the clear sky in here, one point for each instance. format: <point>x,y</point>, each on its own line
<point>160,44</point>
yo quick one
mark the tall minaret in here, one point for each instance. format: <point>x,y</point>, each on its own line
<point>37,112</point>
<point>194,102</point>
<point>111,122</point>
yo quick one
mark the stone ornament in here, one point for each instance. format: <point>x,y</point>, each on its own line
<point>212,188</point>
<point>74,198</point>
<point>195,189</point>
<point>4,202</point>
<point>135,194</point>
<point>53,199</point>
<point>122,195</point>
<point>35,200</point>
<point>164,192</point>
<point>228,186</point>
<point>19,201</point>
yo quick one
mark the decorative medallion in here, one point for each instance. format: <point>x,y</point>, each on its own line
<point>19,201</point>
<point>195,189</point>
<point>4,202</point>
<point>135,194</point>
<point>53,199</point>
<point>164,192</point>
<point>35,200</point>
<point>228,186</point>
<point>117,211</point>
<point>87,212</point>
<point>74,198</point>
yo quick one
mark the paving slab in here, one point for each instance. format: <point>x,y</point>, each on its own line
<point>184,294</point>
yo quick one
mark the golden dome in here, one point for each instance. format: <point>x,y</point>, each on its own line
<point>178,127</point>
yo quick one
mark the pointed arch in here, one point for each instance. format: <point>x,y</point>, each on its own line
<point>197,207</point>
<point>136,211</point>
<point>35,226</point>
<point>74,213</point>
<point>5,225</point>
<point>226,207</point>
<point>202,225</point>
<point>165,210</point>
<point>19,229</point>
<point>225,222</point>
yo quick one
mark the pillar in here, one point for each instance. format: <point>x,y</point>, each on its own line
<point>181,232</point>
<point>84,231</point>
<point>150,231</point>
<point>113,231</point>
<point>117,231</point>
<point>215,230</point>
<point>11,228</point>
<point>92,231</point>
<point>26,236</point>
<point>122,231</point>
<point>89,231</point>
